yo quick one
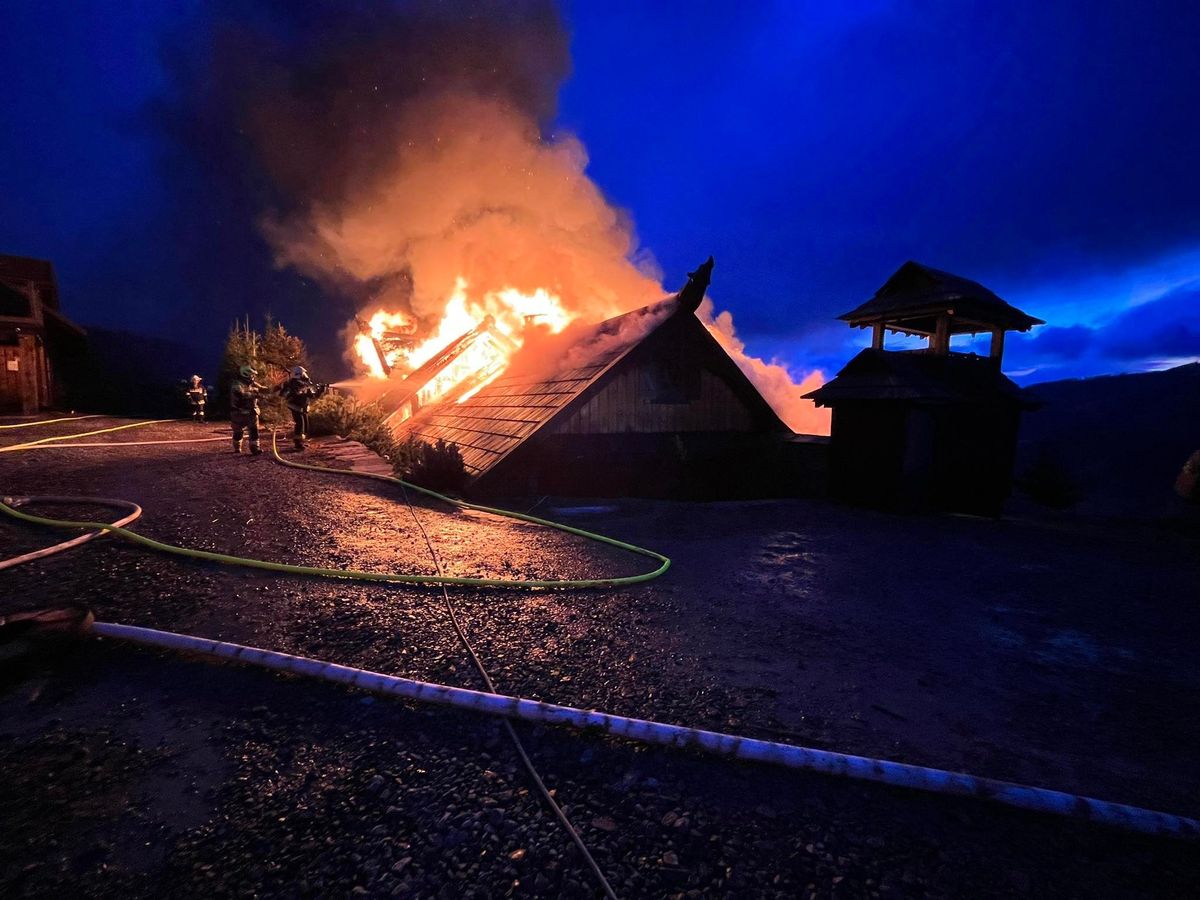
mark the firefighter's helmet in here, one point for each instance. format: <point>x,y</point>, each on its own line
<point>247,372</point>
<point>300,372</point>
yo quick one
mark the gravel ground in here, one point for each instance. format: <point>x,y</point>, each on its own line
<point>1056,652</point>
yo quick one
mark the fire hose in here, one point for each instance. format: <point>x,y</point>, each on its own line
<point>135,512</point>
<point>46,422</point>
<point>71,437</point>
<point>356,575</point>
<point>646,731</point>
<point>739,747</point>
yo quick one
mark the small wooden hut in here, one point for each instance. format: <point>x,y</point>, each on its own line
<point>35,337</point>
<point>644,404</point>
<point>927,428</point>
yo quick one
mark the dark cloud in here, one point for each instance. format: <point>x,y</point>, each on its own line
<point>1055,343</point>
<point>821,147</point>
<point>811,147</point>
<point>1166,328</point>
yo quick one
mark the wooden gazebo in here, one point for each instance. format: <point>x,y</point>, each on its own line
<point>926,428</point>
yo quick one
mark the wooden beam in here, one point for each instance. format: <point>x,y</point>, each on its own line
<point>29,375</point>
<point>940,342</point>
<point>997,344</point>
<point>877,336</point>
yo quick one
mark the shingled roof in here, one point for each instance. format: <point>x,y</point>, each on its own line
<point>503,414</point>
<point>916,293</point>
<point>922,378</point>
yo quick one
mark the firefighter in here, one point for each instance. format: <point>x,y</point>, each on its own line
<point>197,394</point>
<point>243,408</point>
<point>299,391</point>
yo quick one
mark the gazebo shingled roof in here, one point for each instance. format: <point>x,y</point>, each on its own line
<point>916,294</point>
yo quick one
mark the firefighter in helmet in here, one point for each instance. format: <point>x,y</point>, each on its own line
<point>197,394</point>
<point>299,391</point>
<point>243,408</point>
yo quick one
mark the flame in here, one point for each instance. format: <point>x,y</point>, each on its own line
<point>506,314</point>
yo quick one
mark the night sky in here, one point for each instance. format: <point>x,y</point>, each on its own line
<point>1048,150</point>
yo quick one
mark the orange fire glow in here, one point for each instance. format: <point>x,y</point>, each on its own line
<point>506,313</point>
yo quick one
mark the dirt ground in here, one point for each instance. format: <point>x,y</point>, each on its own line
<point>1049,650</point>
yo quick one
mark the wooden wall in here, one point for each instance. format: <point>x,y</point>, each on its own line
<point>29,388</point>
<point>633,401</point>
<point>901,455</point>
<point>678,380</point>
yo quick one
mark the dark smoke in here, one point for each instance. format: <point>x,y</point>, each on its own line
<point>276,110</point>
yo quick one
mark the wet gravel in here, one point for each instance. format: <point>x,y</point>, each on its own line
<point>1045,651</point>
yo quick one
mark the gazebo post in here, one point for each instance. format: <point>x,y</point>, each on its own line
<point>877,336</point>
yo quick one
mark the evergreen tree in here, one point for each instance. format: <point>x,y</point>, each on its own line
<point>273,353</point>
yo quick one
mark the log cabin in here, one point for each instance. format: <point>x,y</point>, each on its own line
<point>644,404</point>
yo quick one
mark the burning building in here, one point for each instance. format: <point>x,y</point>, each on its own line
<point>926,428</point>
<point>36,339</point>
<point>647,403</point>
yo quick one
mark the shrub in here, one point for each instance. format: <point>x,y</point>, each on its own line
<point>437,466</point>
<point>1048,482</point>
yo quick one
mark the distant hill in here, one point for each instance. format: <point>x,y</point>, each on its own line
<point>1124,438</point>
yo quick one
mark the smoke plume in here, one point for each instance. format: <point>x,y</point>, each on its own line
<point>773,379</point>
<point>398,149</point>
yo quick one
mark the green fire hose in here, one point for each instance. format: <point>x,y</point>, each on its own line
<point>354,574</point>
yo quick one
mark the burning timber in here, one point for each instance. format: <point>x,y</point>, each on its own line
<point>464,365</point>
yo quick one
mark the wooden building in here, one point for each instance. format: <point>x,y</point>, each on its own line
<point>928,428</point>
<point>36,339</point>
<point>644,404</point>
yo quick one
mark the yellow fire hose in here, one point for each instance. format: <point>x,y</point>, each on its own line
<point>83,434</point>
<point>8,505</point>
<point>46,422</point>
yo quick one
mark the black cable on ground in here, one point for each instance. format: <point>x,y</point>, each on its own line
<point>508,726</point>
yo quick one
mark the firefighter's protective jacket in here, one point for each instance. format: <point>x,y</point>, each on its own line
<point>243,400</point>
<point>300,392</point>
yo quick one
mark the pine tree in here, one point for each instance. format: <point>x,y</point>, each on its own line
<point>273,353</point>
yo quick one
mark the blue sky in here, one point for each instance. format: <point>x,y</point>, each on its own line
<point>1046,149</point>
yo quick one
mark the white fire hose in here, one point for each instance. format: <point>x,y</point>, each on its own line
<point>862,768</point>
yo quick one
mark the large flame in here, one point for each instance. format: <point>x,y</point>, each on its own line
<point>506,314</point>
